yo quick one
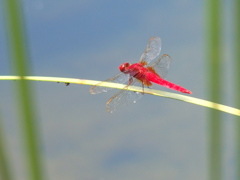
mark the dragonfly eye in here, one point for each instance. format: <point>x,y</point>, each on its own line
<point>123,67</point>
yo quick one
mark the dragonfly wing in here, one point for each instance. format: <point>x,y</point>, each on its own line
<point>123,98</point>
<point>152,51</point>
<point>161,66</point>
<point>120,78</point>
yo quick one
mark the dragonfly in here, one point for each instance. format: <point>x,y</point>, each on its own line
<point>139,74</point>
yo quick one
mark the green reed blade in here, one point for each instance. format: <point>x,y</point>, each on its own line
<point>214,80</point>
<point>19,62</point>
<point>236,53</point>
<point>5,172</point>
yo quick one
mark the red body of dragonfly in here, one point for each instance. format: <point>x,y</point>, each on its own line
<point>140,73</point>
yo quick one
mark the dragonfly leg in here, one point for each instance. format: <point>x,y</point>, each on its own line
<point>130,81</point>
<point>142,88</point>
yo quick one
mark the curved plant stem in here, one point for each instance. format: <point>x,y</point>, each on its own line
<point>165,94</point>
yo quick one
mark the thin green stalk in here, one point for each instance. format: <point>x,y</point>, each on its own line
<point>5,173</point>
<point>19,62</point>
<point>214,63</point>
<point>237,75</point>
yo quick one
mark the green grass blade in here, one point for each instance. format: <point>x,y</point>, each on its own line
<point>18,55</point>
<point>5,172</point>
<point>237,75</point>
<point>214,64</point>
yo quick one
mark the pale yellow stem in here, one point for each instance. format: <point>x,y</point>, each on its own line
<point>165,94</point>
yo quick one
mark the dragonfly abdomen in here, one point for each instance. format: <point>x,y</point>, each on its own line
<point>154,78</point>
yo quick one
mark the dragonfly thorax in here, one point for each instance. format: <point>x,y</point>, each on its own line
<point>123,67</point>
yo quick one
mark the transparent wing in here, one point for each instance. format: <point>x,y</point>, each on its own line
<point>152,51</point>
<point>124,97</point>
<point>161,66</point>
<point>120,78</point>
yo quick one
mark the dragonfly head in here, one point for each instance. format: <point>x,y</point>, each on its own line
<point>123,67</point>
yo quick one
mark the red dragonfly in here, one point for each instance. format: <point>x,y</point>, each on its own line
<point>139,73</point>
